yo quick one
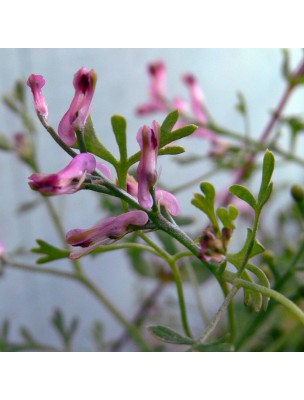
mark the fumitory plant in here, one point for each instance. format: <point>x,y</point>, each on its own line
<point>259,273</point>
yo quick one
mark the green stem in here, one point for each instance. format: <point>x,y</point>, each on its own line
<point>113,247</point>
<point>57,222</point>
<point>231,313</point>
<point>132,330</point>
<point>291,306</point>
<point>193,182</point>
<point>210,328</point>
<point>259,319</point>
<point>94,290</point>
<point>177,278</point>
<point>181,299</point>
<point>196,290</point>
<point>81,141</point>
<point>56,137</point>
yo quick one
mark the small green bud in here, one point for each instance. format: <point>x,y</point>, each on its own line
<point>297,192</point>
<point>268,257</point>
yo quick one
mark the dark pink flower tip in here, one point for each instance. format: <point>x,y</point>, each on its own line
<point>148,139</point>
<point>36,83</point>
<point>107,231</point>
<point>75,118</point>
<point>66,181</point>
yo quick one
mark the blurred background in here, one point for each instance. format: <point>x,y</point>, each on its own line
<point>29,299</point>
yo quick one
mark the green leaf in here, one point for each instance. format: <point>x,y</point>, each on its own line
<point>119,126</point>
<point>167,138</point>
<point>268,167</point>
<point>237,258</point>
<point>168,335</point>
<point>169,122</point>
<point>265,196</point>
<point>94,145</point>
<point>227,216</point>
<point>244,194</point>
<point>205,202</point>
<point>217,347</point>
<point>50,252</point>
<point>171,150</point>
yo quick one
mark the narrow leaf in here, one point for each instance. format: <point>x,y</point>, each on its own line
<point>169,122</point>
<point>244,194</point>
<point>94,145</point>
<point>168,335</point>
<point>176,135</point>
<point>171,150</point>
<point>268,167</point>
<point>50,252</point>
<point>119,126</point>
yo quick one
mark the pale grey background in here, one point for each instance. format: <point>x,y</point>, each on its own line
<point>122,85</point>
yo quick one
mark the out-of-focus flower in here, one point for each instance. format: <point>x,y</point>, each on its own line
<point>2,251</point>
<point>36,83</point>
<point>23,147</point>
<point>219,147</point>
<point>148,139</point>
<point>162,197</point>
<point>157,89</point>
<point>66,181</point>
<point>106,232</point>
<point>76,116</point>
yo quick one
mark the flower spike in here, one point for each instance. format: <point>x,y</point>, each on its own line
<point>148,139</point>
<point>157,89</point>
<point>76,116</point>
<point>106,232</point>
<point>66,181</point>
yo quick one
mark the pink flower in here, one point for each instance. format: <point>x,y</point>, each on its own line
<point>148,139</point>
<point>104,169</point>
<point>36,83</point>
<point>2,250</point>
<point>157,89</point>
<point>163,197</point>
<point>76,116</point>
<point>106,232</point>
<point>67,181</point>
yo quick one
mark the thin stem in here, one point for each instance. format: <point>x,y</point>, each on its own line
<point>93,289</point>
<point>196,291</point>
<point>31,268</point>
<point>140,315</point>
<point>290,305</point>
<point>81,141</point>
<point>210,328</point>
<point>259,319</point>
<point>193,182</point>
<point>231,313</point>
<point>177,278</point>
<point>133,331</point>
<point>113,247</point>
<point>56,137</point>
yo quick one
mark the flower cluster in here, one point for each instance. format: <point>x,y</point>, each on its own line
<point>72,178</point>
<point>159,102</point>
